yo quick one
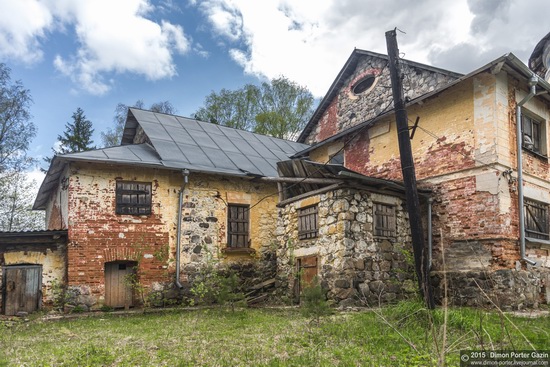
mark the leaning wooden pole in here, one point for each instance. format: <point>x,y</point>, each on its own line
<point>409,175</point>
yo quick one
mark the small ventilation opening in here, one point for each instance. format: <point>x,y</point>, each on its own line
<point>364,84</point>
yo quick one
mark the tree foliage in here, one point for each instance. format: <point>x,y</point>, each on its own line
<point>113,137</point>
<point>77,136</point>
<point>17,193</point>
<point>16,127</point>
<point>278,108</point>
<point>230,108</point>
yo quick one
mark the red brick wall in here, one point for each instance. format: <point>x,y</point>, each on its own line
<point>97,235</point>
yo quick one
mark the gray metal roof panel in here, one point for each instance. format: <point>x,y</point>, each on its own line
<point>243,162</point>
<point>168,120</point>
<point>195,155</point>
<point>211,128</point>
<point>190,124</point>
<point>259,147</point>
<point>219,158</point>
<point>224,142</point>
<point>264,166</point>
<point>144,115</point>
<point>245,148</point>
<point>170,151</point>
<point>180,135</point>
<point>202,139</point>
<point>155,131</point>
<point>231,133</point>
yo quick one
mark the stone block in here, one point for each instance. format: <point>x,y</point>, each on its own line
<point>342,283</point>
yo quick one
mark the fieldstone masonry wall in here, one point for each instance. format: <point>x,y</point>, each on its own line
<point>354,267</point>
<point>349,109</point>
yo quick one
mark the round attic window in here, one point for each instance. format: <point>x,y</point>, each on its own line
<point>364,84</point>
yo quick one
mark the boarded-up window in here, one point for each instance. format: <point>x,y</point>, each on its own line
<point>536,219</point>
<point>384,220</point>
<point>308,222</point>
<point>133,198</point>
<point>238,225</point>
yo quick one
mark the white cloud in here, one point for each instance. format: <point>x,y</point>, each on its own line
<point>116,37</point>
<point>23,24</point>
<point>112,37</point>
<point>309,41</point>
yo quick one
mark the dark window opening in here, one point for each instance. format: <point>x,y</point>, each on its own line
<point>364,84</point>
<point>308,220</point>
<point>337,158</point>
<point>238,226</point>
<point>384,220</point>
<point>133,198</point>
<point>533,137</point>
<point>536,219</point>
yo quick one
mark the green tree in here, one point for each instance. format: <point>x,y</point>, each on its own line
<point>235,109</point>
<point>284,108</point>
<point>17,193</point>
<point>77,136</point>
<point>113,136</point>
<point>16,128</point>
<point>278,108</point>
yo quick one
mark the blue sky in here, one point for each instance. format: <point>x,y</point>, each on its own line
<point>95,54</point>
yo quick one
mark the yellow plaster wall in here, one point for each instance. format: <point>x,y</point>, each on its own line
<point>209,194</point>
<point>53,265</point>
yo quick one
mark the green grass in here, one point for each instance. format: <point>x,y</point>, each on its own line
<point>401,335</point>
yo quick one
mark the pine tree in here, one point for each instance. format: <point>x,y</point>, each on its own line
<point>77,137</point>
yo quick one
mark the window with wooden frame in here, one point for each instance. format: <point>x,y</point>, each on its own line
<point>533,134</point>
<point>536,219</point>
<point>308,222</point>
<point>238,226</point>
<point>384,220</point>
<point>133,198</point>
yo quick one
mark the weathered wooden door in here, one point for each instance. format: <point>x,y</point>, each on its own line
<point>307,272</point>
<point>22,288</point>
<point>118,291</point>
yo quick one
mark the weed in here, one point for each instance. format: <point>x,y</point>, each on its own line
<point>314,302</point>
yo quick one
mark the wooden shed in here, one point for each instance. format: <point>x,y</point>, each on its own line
<point>30,262</point>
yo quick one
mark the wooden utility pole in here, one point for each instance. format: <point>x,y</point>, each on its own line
<point>409,175</point>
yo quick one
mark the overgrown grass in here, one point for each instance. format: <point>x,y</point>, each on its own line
<point>400,335</point>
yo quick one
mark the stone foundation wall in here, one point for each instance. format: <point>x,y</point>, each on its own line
<point>508,289</point>
<point>354,266</point>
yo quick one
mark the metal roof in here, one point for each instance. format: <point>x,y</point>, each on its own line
<point>205,147</point>
<point>175,142</point>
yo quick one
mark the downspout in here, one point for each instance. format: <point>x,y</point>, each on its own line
<point>430,237</point>
<point>519,141</point>
<point>178,235</point>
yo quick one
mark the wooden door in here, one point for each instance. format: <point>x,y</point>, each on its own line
<point>307,272</point>
<point>22,288</point>
<point>118,292</point>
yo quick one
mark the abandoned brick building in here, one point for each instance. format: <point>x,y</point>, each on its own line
<point>466,152</point>
<point>178,192</point>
